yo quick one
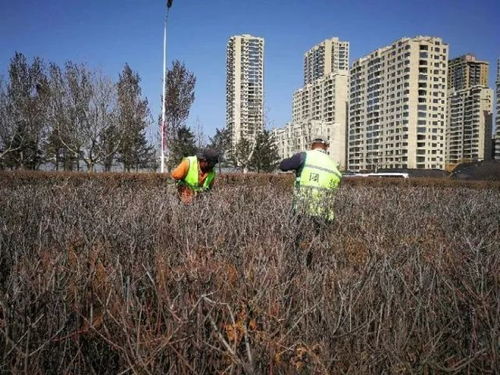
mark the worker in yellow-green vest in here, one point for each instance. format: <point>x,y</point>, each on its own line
<point>317,180</point>
<point>195,174</point>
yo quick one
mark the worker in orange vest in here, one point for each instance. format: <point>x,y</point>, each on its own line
<point>195,174</point>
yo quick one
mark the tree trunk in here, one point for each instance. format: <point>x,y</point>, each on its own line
<point>91,166</point>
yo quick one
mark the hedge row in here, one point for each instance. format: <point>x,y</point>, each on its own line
<point>16,178</point>
<point>100,280</point>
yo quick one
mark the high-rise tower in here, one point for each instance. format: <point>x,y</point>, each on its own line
<point>466,71</point>
<point>497,119</point>
<point>244,87</point>
<point>469,112</point>
<point>329,56</point>
<point>397,108</point>
<point>320,106</point>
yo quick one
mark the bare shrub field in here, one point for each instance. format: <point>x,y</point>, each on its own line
<point>110,277</point>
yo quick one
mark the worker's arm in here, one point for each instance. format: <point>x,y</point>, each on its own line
<point>203,177</point>
<point>295,163</point>
<point>181,171</point>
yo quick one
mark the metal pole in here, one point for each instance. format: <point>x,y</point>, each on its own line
<point>164,82</point>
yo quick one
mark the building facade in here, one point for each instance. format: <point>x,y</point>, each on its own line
<point>296,137</point>
<point>469,112</point>
<point>324,99</point>
<point>320,107</point>
<point>468,135</point>
<point>466,71</point>
<point>244,87</point>
<point>497,118</point>
<point>329,56</point>
<point>397,107</point>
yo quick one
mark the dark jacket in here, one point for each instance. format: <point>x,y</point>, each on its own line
<point>294,163</point>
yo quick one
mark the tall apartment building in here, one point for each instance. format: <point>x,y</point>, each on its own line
<point>329,56</point>
<point>497,119</point>
<point>468,135</point>
<point>466,71</point>
<point>320,107</point>
<point>244,87</point>
<point>397,107</point>
<point>295,137</point>
<point>469,117</point>
<point>324,100</point>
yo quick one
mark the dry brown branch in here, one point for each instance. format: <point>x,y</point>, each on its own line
<point>111,274</point>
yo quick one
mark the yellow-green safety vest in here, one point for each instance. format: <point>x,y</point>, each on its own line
<point>316,185</point>
<point>192,176</point>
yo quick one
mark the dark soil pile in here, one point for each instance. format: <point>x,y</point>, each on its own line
<point>427,173</point>
<point>488,170</point>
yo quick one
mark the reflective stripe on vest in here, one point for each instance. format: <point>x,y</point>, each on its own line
<point>193,174</point>
<point>316,184</point>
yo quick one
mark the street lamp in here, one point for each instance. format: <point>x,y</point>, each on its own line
<point>164,82</point>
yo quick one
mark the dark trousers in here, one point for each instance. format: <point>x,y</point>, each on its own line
<point>309,229</point>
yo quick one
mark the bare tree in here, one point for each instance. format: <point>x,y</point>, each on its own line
<point>185,145</point>
<point>178,99</point>
<point>78,93</point>
<point>133,119</point>
<point>101,122</point>
<point>8,129</point>
<point>201,139</point>
<point>27,96</point>
<point>221,142</point>
<point>242,154</point>
<point>83,112</point>
<point>61,129</point>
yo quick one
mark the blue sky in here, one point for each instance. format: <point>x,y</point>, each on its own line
<point>107,33</point>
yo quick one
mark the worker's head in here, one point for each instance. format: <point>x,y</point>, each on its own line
<point>207,158</point>
<point>319,142</point>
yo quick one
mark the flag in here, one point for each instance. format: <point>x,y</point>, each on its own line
<point>169,3</point>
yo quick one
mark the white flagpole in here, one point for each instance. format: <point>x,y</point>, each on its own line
<point>164,82</point>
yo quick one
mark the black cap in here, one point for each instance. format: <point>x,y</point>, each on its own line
<point>208,154</point>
